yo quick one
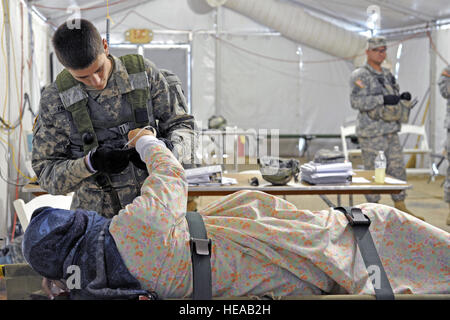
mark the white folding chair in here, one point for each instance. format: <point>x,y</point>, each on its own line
<point>422,149</point>
<point>25,210</point>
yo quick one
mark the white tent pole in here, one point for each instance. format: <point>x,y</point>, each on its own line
<point>432,114</point>
<point>189,75</point>
<point>218,63</point>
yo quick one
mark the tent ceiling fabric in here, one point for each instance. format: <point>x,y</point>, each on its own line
<point>394,13</point>
<point>352,13</point>
<point>58,11</point>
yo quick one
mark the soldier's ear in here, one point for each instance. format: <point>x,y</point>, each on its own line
<point>105,46</point>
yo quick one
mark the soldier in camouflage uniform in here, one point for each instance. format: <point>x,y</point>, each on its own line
<point>444,87</point>
<point>12,253</point>
<point>65,159</point>
<point>376,95</point>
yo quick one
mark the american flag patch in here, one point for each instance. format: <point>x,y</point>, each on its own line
<point>360,84</point>
<point>35,121</point>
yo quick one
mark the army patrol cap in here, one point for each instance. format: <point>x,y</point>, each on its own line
<point>376,42</point>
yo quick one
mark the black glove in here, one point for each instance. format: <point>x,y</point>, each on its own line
<point>405,96</point>
<point>391,99</point>
<point>135,158</point>
<point>109,160</point>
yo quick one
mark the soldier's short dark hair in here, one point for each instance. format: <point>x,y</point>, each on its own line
<point>78,44</point>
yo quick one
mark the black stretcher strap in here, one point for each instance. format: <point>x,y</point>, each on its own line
<point>201,254</point>
<point>360,223</point>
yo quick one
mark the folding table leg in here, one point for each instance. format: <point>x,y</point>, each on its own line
<point>327,201</point>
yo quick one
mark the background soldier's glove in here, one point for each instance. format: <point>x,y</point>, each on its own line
<point>405,96</point>
<point>391,99</point>
<point>135,158</point>
<point>108,160</point>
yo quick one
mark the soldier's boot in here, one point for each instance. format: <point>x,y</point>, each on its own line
<point>400,205</point>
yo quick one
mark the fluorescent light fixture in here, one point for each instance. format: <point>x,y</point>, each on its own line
<point>299,52</point>
<point>399,54</point>
<point>399,50</point>
<point>373,20</point>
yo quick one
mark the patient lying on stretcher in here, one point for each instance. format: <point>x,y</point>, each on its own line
<point>261,244</point>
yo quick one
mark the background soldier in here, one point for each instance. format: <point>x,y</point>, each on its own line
<point>86,114</point>
<point>444,87</point>
<point>376,95</point>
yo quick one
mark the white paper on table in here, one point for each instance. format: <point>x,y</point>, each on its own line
<point>360,180</point>
<point>228,181</point>
<point>393,181</point>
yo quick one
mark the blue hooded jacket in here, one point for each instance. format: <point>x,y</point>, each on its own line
<point>57,239</point>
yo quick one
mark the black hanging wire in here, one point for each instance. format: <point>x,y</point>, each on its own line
<point>26,101</point>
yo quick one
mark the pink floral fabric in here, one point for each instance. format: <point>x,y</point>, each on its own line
<point>262,244</point>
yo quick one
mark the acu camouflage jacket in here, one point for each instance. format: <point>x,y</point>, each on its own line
<point>367,91</point>
<point>59,165</point>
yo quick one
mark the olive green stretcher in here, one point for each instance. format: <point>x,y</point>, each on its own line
<point>20,281</point>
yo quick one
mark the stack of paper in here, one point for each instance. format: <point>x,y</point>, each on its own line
<point>330,173</point>
<point>210,175</point>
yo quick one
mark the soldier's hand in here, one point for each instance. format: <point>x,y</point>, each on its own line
<point>108,160</point>
<point>391,99</point>
<point>53,287</point>
<point>405,96</point>
<point>135,158</point>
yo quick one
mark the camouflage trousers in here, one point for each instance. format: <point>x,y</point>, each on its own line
<point>447,178</point>
<point>14,254</point>
<point>395,167</point>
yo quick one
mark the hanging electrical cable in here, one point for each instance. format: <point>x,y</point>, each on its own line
<point>20,116</point>
<point>3,120</point>
<point>108,21</point>
<point>21,183</point>
<point>144,18</point>
<point>435,49</point>
<point>13,159</point>
<point>26,101</point>
<point>5,57</point>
